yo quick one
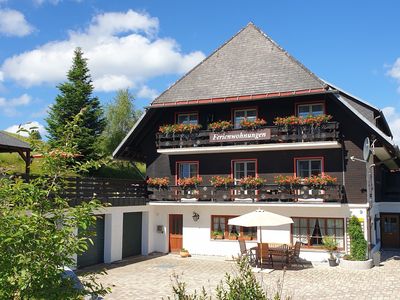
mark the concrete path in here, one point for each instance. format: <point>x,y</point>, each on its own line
<point>150,278</point>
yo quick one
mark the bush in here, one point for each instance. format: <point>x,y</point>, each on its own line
<point>243,285</point>
<point>358,244</point>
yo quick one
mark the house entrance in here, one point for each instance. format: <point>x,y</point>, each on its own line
<point>175,232</point>
<point>390,234</point>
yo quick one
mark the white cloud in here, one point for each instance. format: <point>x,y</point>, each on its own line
<point>122,48</point>
<point>395,71</point>
<point>13,23</point>
<point>393,118</point>
<point>9,106</point>
<point>27,126</point>
<point>147,93</point>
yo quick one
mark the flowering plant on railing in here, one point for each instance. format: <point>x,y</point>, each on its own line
<point>309,120</point>
<point>320,181</point>
<point>251,182</point>
<point>221,182</point>
<point>250,124</point>
<point>287,180</point>
<point>188,183</point>
<point>315,120</point>
<point>220,125</point>
<point>179,128</point>
<point>158,182</point>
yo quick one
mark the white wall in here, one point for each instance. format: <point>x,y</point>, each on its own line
<point>196,235</point>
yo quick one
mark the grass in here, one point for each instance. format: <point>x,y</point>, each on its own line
<point>114,169</point>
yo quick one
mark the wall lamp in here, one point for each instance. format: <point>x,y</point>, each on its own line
<point>195,216</point>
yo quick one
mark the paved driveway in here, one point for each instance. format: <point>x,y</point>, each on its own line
<point>150,278</point>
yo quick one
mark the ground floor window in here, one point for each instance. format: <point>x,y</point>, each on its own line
<point>310,231</point>
<point>221,229</point>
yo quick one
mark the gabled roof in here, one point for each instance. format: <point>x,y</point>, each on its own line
<point>250,63</point>
<point>8,141</point>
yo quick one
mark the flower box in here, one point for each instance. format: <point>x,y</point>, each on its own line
<point>220,126</point>
<point>252,125</point>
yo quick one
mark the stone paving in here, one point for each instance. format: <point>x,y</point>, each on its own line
<point>150,278</point>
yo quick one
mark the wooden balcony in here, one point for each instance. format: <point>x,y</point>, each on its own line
<point>328,132</point>
<point>272,193</point>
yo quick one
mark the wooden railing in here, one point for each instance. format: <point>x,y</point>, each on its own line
<point>266,193</point>
<point>279,134</point>
<point>117,192</point>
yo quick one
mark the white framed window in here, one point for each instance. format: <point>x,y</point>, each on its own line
<point>311,109</point>
<point>243,168</point>
<point>239,115</point>
<point>308,167</point>
<point>188,169</point>
<point>187,118</point>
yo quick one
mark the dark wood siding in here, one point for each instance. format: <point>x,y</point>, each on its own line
<point>270,163</point>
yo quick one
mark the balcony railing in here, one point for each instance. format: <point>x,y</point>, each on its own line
<point>266,135</point>
<point>267,193</point>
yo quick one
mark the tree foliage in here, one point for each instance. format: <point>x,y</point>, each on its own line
<point>242,285</point>
<point>75,94</point>
<point>121,115</point>
<point>358,244</point>
<point>38,227</point>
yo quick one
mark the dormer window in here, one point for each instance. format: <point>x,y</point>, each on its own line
<point>239,115</point>
<point>311,109</point>
<point>187,118</point>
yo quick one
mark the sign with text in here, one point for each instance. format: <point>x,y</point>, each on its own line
<point>241,135</point>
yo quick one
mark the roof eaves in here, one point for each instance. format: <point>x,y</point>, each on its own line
<point>117,150</point>
<point>242,97</point>
<point>358,99</point>
<point>366,121</point>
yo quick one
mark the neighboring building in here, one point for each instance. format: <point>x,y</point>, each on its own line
<point>251,77</point>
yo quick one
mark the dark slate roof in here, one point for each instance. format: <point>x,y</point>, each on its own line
<point>7,140</point>
<point>250,63</point>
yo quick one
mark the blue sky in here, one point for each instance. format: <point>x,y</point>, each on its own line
<point>147,45</point>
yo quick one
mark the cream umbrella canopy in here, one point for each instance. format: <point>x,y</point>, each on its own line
<point>260,218</point>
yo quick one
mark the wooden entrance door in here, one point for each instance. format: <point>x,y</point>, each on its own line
<point>390,234</point>
<point>175,232</point>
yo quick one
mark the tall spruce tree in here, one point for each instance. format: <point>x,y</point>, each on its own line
<point>121,115</point>
<point>76,94</point>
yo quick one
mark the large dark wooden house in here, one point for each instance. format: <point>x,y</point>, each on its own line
<point>251,127</point>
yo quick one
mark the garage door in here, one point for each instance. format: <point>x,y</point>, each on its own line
<point>95,253</point>
<point>132,234</point>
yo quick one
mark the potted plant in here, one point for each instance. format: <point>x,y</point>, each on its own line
<point>217,235</point>
<point>250,182</point>
<point>189,183</point>
<point>330,244</point>
<point>221,182</point>
<point>158,182</point>
<point>252,124</point>
<point>246,237</point>
<point>233,235</point>
<point>357,260</point>
<point>179,128</point>
<point>220,126</point>
<point>184,253</point>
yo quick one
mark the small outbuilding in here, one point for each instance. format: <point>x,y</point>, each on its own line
<point>10,144</point>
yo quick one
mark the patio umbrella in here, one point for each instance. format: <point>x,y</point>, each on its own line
<point>260,218</point>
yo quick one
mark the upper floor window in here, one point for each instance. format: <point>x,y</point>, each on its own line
<point>311,109</point>
<point>308,167</point>
<point>239,115</point>
<point>188,169</point>
<point>187,118</point>
<point>244,168</point>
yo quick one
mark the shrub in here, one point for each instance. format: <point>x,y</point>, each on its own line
<point>358,244</point>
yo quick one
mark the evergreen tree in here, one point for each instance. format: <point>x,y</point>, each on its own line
<point>76,94</point>
<point>121,115</point>
<point>35,135</point>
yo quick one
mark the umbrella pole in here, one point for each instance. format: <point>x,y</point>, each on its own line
<point>261,254</point>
